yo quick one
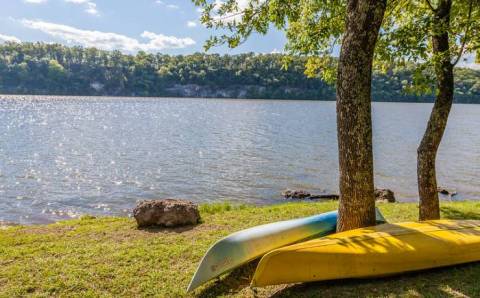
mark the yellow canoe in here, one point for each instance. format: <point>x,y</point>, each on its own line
<point>375,251</point>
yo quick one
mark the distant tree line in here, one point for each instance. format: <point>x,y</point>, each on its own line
<point>39,68</point>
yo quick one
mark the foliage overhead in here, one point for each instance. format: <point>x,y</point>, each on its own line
<point>406,37</point>
<point>315,28</point>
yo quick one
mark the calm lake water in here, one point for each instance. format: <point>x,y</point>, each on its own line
<point>61,157</point>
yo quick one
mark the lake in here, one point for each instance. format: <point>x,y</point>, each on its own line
<point>61,157</point>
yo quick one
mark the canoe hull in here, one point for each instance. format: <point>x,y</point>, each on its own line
<point>246,245</point>
<point>377,251</point>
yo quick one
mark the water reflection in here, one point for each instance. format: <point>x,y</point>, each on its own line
<point>61,157</point>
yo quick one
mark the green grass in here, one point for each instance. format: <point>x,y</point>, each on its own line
<point>110,257</point>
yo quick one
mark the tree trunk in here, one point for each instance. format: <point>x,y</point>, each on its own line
<point>427,151</point>
<point>354,122</point>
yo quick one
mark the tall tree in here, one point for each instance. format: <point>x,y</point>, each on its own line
<point>444,61</point>
<point>427,151</point>
<point>315,28</point>
<point>435,34</point>
<point>354,121</point>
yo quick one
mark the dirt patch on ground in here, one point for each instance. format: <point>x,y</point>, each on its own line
<point>45,230</point>
<point>5,225</point>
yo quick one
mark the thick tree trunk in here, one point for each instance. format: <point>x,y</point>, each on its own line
<point>427,151</point>
<point>354,122</point>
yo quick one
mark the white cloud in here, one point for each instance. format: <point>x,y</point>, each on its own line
<point>276,51</point>
<point>90,7</point>
<point>191,24</point>
<point>35,1</point>
<point>468,61</point>
<point>109,41</point>
<point>233,16</point>
<point>5,38</point>
<point>167,5</point>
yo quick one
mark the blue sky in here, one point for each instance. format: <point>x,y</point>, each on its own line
<point>166,26</point>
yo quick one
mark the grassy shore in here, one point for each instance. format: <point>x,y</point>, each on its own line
<point>110,257</point>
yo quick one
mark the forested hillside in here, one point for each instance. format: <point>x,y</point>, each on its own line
<point>36,68</point>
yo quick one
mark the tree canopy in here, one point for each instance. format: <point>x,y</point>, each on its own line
<point>407,37</point>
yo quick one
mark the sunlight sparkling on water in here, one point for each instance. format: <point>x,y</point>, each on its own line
<point>61,157</point>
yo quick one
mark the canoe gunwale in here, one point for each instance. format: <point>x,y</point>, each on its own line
<point>329,220</point>
<point>232,238</point>
<point>377,235</point>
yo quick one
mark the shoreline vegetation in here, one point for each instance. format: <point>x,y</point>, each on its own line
<point>47,97</point>
<point>111,257</point>
<point>41,69</point>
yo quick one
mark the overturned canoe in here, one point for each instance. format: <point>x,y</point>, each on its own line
<point>246,245</point>
<point>375,251</point>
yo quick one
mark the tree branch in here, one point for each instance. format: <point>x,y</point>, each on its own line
<point>431,6</point>
<point>259,8</point>
<point>462,48</point>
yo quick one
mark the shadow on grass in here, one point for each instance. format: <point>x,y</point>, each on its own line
<point>454,281</point>
<point>233,283</point>
<point>453,213</point>
<point>157,229</point>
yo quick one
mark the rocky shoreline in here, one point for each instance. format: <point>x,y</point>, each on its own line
<point>152,216</point>
<point>381,195</point>
<point>6,224</point>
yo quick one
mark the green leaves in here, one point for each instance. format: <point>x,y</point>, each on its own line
<point>54,69</point>
<point>423,80</point>
<point>407,33</point>
<point>314,29</point>
<point>322,67</point>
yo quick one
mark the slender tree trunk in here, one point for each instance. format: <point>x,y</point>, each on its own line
<point>354,122</point>
<point>427,151</point>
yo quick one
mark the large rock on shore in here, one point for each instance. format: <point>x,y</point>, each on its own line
<point>447,192</point>
<point>166,213</point>
<point>384,195</point>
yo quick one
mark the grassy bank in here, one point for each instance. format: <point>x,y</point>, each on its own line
<point>110,257</point>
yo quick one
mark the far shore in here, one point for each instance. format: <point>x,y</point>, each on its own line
<point>45,97</point>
